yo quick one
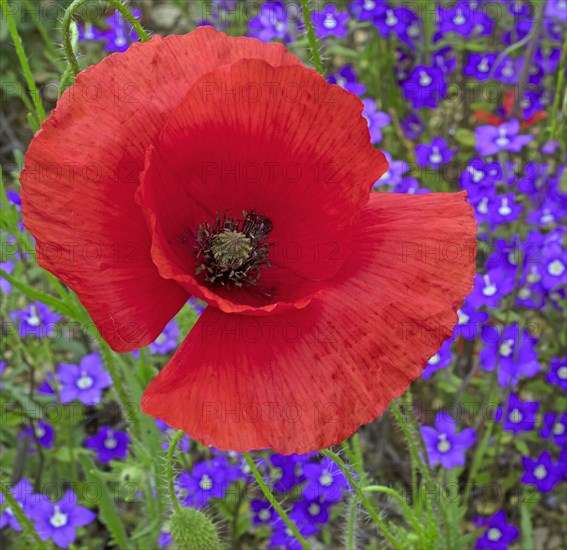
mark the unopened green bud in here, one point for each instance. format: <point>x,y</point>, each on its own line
<point>193,530</point>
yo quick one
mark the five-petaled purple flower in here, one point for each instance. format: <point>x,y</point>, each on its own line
<point>443,444</point>
<point>518,415</point>
<point>109,444</point>
<point>330,22</point>
<point>84,381</point>
<point>506,137</point>
<point>37,319</point>
<point>541,472</point>
<point>324,480</point>
<point>499,533</point>
<point>58,521</point>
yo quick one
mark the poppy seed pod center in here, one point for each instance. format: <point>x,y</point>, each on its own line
<point>232,252</point>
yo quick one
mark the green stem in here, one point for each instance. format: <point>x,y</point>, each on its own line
<point>23,61</point>
<point>558,89</point>
<point>170,453</point>
<point>268,494</point>
<point>378,521</point>
<point>23,520</point>
<point>408,511</point>
<point>351,530</point>
<point>66,28</point>
<point>305,7</point>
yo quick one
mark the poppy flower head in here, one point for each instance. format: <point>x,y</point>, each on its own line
<point>238,176</point>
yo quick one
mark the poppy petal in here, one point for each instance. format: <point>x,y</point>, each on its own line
<point>277,140</point>
<point>82,169</point>
<point>306,379</point>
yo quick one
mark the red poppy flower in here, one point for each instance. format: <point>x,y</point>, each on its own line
<point>222,168</point>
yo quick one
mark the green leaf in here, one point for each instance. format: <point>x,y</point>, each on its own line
<point>465,137</point>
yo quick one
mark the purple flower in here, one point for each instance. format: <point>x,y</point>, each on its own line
<point>513,352</point>
<point>470,319</point>
<point>492,139</point>
<point>313,511</point>
<point>442,359</point>
<point>330,22</point>
<point>499,533</point>
<point>507,71</point>
<point>367,10</point>
<point>167,340</point>
<point>479,64</point>
<point>491,287</point>
<point>541,472</point>
<point>503,209</point>
<point>271,22</point>
<point>108,444</point>
<point>376,120</point>
<point>554,269</point>
<point>288,471</point>
<point>8,267</point>
<point>85,381</point>
<point>324,480</point>
<point>262,512</point>
<point>346,78</point>
<point>23,495</point>
<point>88,32</point>
<point>557,373</point>
<point>401,21</point>
<point>37,319</point>
<point>394,174</point>
<point>121,33</point>
<point>58,521</point>
<point>283,537</point>
<point>521,416</point>
<point>555,427</point>
<point>44,434</point>
<point>413,126</point>
<point>208,479</point>
<point>458,18</point>
<point>443,444</point>
<point>184,443</point>
<point>557,9</point>
<point>164,539</point>
<point>425,87</point>
<point>197,305</point>
<point>435,154</point>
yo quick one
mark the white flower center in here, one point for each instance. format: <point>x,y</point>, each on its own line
<point>391,19</point>
<point>326,479</point>
<point>463,317</point>
<point>502,137</point>
<point>33,319</point>
<point>533,275</point>
<point>39,432</point>
<point>494,534</point>
<point>85,381</point>
<point>330,22</point>
<point>279,26</point>
<point>483,66</point>
<point>524,293</point>
<point>435,157</point>
<point>435,359</point>
<point>562,373</point>
<point>424,79</point>
<point>540,472</point>
<point>515,416</point>
<point>490,288</point>
<point>483,205</point>
<point>559,428</point>
<point>506,348</point>
<point>547,217</point>
<point>556,268</point>
<point>206,483</point>
<point>504,209</point>
<point>459,18</point>
<point>161,338</point>
<point>110,442</point>
<point>314,508</point>
<point>264,514</point>
<point>58,519</point>
<point>369,5</point>
<point>442,444</point>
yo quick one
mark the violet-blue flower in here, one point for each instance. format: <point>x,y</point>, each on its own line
<point>37,320</point>
<point>435,154</point>
<point>506,137</point>
<point>518,416</point>
<point>270,23</point>
<point>84,381</point>
<point>499,533</point>
<point>376,119</point>
<point>554,426</point>
<point>443,444</point>
<point>425,87</point>
<point>441,360</point>
<point>541,472</point>
<point>557,373</point>
<point>109,444</point>
<point>44,434</point>
<point>324,480</point>
<point>330,22</point>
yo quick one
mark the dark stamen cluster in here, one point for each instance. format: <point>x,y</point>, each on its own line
<point>232,251</point>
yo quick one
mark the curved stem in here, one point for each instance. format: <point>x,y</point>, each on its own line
<point>23,520</point>
<point>378,521</point>
<point>351,531</point>
<point>68,17</point>
<point>23,61</point>
<point>268,494</point>
<point>170,453</point>
<point>306,9</point>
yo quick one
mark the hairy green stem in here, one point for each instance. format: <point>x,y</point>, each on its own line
<point>271,499</point>
<point>23,61</point>
<point>378,521</point>
<point>306,9</point>
<point>351,525</point>
<point>170,453</point>
<point>66,28</point>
